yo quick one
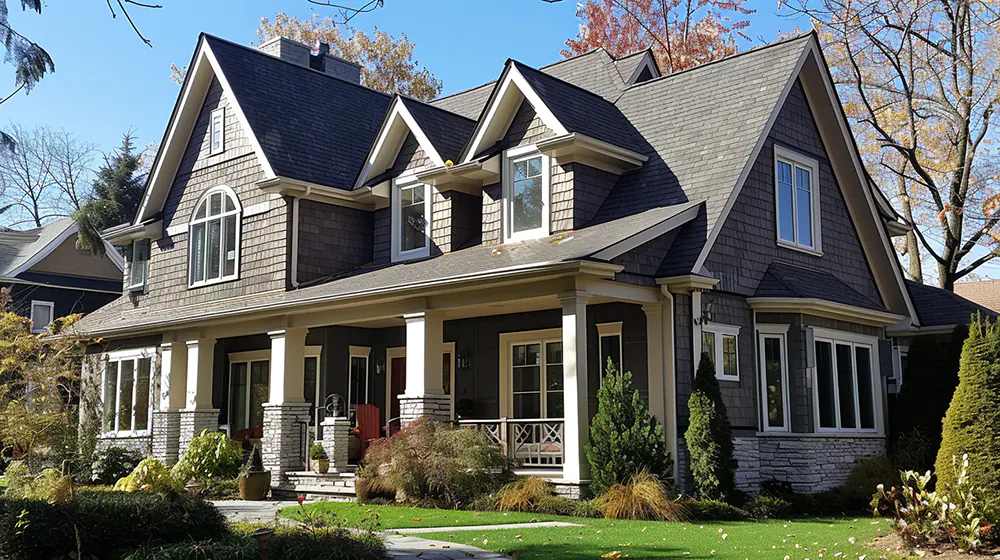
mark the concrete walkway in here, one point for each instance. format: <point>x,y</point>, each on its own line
<point>401,547</point>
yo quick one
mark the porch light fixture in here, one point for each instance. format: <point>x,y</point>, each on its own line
<point>463,360</point>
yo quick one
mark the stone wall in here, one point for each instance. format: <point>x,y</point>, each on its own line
<point>192,423</point>
<point>435,407</point>
<point>746,451</point>
<point>166,436</point>
<point>814,464</point>
<point>285,446</point>
<point>142,445</point>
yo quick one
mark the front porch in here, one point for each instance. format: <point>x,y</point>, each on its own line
<point>521,363</point>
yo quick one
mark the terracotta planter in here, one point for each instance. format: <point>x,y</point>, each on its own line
<point>321,466</point>
<point>254,486</point>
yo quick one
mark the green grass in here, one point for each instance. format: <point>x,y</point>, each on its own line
<point>396,517</point>
<point>797,540</point>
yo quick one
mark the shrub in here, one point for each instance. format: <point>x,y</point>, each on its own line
<point>953,514</point>
<point>625,439</point>
<point>149,475</point>
<point>48,486</point>
<point>429,459</point>
<point>715,510</point>
<point>763,506</point>
<point>112,463</point>
<point>972,424</point>
<point>524,494</point>
<point>317,452</point>
<point>642,497</point>
<point>254,462</point>
<point>867,473</point>
<point>211,456</point>
<point>709,436</point>
<point>101,524</point>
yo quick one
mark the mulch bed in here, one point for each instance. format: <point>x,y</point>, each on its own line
<point>893,544</point>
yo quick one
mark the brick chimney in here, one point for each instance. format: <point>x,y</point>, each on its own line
<point>300,54</point>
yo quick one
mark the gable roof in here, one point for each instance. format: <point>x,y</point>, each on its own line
<point>985,293</point>
<point>447,131</point>
<point>939,308</point>
<point>789,281</point>
<point>21,250</point>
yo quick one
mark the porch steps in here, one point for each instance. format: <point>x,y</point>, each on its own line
<point>332,486</point>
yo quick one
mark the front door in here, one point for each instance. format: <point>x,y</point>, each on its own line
<point>397,384</point>
<point>248,391</point>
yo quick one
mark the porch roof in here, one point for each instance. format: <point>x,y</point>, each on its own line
<point>606,240</point>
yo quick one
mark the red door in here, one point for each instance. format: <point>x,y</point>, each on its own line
<point>397,384</point>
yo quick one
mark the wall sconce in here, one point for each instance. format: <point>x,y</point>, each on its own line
<point>380,366</point>
<point>463,360</point>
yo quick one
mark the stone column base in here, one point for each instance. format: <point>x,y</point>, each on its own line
<point>336,432</point>
<point>166,436</point>
<point>192,423</point>
<point>285,446</point>
<point>433,407</point>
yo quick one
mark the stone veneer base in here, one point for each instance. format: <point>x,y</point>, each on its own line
<point>434,407</point>
<point>809,463</point>
<point>285,445</point>
<point>166,436</point>
<point>192,423</point>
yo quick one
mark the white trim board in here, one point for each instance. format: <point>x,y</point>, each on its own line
<point>377,161</point>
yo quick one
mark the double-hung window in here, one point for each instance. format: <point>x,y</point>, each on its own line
<point>846,397</point>
<point>42,314</point>
<point>138,257</point>
<point>217,132</point>
<point>797,200</point>
<point>610,340</point>
<point>721,342</point>
<point>537,379</point>
<point>127,392</point>
<point>411,218</point>
<point>773,376</point>
<point>357,385</point>
<point>525,194</point>
<point>215,238</point>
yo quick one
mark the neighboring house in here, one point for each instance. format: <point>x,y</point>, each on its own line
<point>481,257</point>
<point>986,293</point>
<point>47,277</point>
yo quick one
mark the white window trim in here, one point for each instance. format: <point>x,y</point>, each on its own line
<point>238,212</point>
<point>610,329</point>
<point>853,339</point>
<point>315,352</point>
<point>212,150</point>
<point>719,331</point>
<point>52,314</point>
<point>397,217</point>
<point>145,275</point>
<point>507,342</point>
<point>120,356</point>
<point>509,158</point>
<point>245,358</point>
<point>781,333</point>
<point>797,159</point>
<point>359,352</point>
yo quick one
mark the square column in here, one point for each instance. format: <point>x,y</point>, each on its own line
<point>424,396</point>
<point>173,391</point>
<point>336,434</point>
<point>655,366</point>
<point>576,428</point>
<point>285,444</point>
<point>198,414</point>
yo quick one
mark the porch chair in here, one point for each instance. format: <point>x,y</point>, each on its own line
<point>369,429</point>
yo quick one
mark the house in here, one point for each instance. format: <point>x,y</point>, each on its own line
<point>47,277</point>
<point>985,293</point>
<point>306,243</point>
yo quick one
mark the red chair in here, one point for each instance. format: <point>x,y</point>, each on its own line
<point>369,428</point>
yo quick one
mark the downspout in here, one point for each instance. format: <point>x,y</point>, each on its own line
<point>295,237</point>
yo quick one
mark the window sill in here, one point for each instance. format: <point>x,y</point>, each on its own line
<point>799,248</point>
<point>411,255</point>
<point>821,435</point>
<point>730,378</point>
<point>125,435</point>
<point>213,282</point>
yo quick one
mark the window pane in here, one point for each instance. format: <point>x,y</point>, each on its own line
<point>142,395</point>
<point>729,356</point>
<point>140,259</point>
<point>198,253</point>
<point>845,386</point>
<point>259,392</point>
<point>527,405</point>
<point>825,385</point>
<point>125,388</point>
<point>311,381</point>
<point>359,380</point>
<point>866,391</point>
<point>215,204</point>
<point>110,394</point>
<point>554,404</point>
<point>803,206</point>
<point>708,344</point>
<point>611,349</point>
<point>230,205</point>
<point>201,211</point>
<point>786,227</point>
<point>774,383</point>
<point>230,248</point>
<point>526,354</point>
<point>413,222</point>
<point>238,397</point>
<point>214,249</point>
<point>527,204</point>
<point>526,378</point>
<point>41,316</point>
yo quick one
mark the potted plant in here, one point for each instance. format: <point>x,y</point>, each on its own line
<point>320,461</point>
<point>254,481</point>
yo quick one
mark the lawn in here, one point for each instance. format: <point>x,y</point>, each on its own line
<point>797,539</point>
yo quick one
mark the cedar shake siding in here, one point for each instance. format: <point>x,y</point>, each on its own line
<point>332,239</point>
<point>642,262</point>
<point>383,236</point>
<point>747,244</point>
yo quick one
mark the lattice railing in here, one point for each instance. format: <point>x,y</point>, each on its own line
<point>532,442</point>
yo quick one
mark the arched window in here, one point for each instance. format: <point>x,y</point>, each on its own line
<point>214,236</point>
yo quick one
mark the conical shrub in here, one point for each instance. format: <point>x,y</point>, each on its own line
<point>709,436</point>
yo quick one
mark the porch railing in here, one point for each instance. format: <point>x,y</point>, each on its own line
<point>531,442</point>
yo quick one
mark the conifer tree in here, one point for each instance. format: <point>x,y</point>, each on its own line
<point>709,437</point>
<point>625,439</point>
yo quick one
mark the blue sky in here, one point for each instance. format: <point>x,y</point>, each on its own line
<point>107,81</point>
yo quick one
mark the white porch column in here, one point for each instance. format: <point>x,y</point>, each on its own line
<point>198,414</point>
<point>173,393</point>
<point>576,429</point>
<point>424,394</point>
<point>670,381</point>
<point>286,414</point>
<point>655,366</point>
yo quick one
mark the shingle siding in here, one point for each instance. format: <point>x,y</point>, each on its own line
<point>740,397</point>
<point>642,262</point>
<point>383,236</point>
<point>332,239</point>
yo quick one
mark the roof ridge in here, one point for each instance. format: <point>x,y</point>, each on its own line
<point>572,85</point>
<point>436,108</point>
<point>577,56</point>
<point>467,90</point>
<point>292,64</point>
<point>725,59</point>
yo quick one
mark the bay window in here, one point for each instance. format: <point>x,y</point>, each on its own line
<point>722,344</point>
<point>411,218</point>
<point>214,238</point>
<point>797,200</point>
<point>845,382</point>
<point>127,392</point>
<point>525,194</point>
